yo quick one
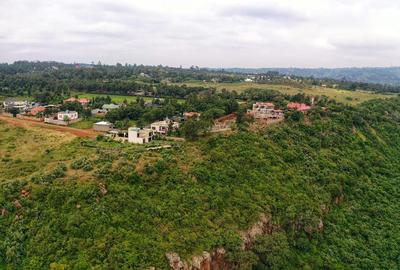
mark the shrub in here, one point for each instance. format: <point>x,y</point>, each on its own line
<point>82,163</point>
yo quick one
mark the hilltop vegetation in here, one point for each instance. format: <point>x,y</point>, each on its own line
<point>343,96</point>
<point>384,75</point>
<point>51,82</point>
<point>105,205</point>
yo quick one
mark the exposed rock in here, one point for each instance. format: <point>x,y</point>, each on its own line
<point>174,261</point>
<point>17,204</point>
<point>25,193</point>
<point>202,262</point>
<point>4,212</point>
<point>103,189</point>
<point>339,199</point>
<point>207,261</point>
<point>320,225</point>
<point>325,209</point>
<point>263,226</point>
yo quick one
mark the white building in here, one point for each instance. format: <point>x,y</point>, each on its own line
<point>72,115</point>
<point>140,136</point>
<point>22,106</point>
<point>162,127</point>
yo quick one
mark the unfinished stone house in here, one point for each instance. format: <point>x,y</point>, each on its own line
<point>265,110</point>
<point>140,136</point>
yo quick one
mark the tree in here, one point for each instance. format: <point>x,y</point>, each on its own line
<point>272,250</point>
<point>66,119</point>
<point>295,116</point>
<point>14,111</point>
<point>191,129</point>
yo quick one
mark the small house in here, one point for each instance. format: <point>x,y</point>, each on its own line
<point>140,136</point>
<point>162,127</point>
<point>301,107</point>
<point>70,115</point>
<point>98,112</point>
<point>265,110</point>
<point>109,107</point>
<point>188,115</point>
<point>83,101</point>
<point>103,126</point>
<point>37,110</point>
<point>22,106</point>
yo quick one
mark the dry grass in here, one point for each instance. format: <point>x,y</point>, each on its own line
<point>26,151</point>
<point>345,96</point>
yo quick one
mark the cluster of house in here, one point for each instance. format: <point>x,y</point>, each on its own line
<point>104,109</point>
<point>267,110</point>
<point>26,109</point>
<point>260,111</point>
<point>135,134</point>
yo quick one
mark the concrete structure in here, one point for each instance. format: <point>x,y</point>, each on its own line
<point>55,121</point>
<point>22,106</point>
<point>72,115</point>
<point>162,127</point>
<point>140,136</point>
<point>225,122</point>
<point>103,126</point>
<point>98,112</point>
<point>109,107</point>
<point>301,107</point>
<point>265,110</point>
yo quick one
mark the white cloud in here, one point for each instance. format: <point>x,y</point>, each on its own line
<point>223,33</point>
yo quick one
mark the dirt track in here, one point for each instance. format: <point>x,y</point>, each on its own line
<point>26,124</point>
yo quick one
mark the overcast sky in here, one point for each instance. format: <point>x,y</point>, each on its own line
<point>212,33</point>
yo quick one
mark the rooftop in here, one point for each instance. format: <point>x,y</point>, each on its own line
<point>268,104</point>
<point>103,123</point>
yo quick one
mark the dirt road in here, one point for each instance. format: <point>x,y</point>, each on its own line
<point>27,123</point>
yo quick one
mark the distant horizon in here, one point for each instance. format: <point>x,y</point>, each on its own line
<point>201,67</point>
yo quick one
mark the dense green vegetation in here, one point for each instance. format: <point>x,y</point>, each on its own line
<point>386,79</point>
<point>51,82</point>
<point>106,205</point>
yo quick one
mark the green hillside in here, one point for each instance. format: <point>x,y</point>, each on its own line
<point>328,185</point>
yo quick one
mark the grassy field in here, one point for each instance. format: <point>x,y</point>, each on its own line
<point>86,123</point>
<point>25,151</point>
<point>115,98</point>
<point>345,96</point>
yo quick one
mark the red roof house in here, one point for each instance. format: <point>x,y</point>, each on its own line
<point>82,101</point>
<point>190,114</point>
<point>301,107</point>
<point>38,109</point>
<point>266,104</point>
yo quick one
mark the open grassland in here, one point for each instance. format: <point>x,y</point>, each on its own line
<point>345,96</point>
<point>115,98</point>
<point>29,150</point>
<point>77,132</point>
<point>24,151</point>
